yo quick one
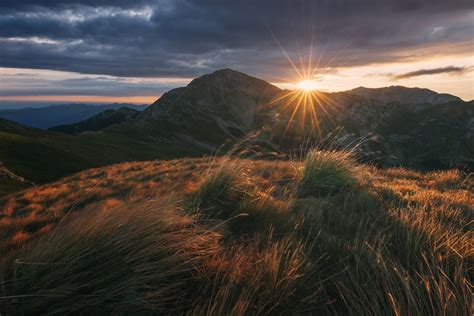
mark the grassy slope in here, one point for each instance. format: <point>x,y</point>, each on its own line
<point>219,236</point>
<point>42,156</point>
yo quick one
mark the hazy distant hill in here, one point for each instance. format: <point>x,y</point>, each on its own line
<point>98,121</point>
<point>54,115</point>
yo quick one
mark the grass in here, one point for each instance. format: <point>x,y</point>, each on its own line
<point>234,236</point>
<point>111,261</point>
<point>325,172</point>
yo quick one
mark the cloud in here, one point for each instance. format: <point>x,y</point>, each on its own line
<point>433,71</point>
<point>87,85</point>
<point>163,38</point>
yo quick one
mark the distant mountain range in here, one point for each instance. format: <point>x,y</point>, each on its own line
<point>390,126</point>
<point>46,117</point>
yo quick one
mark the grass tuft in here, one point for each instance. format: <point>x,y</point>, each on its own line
<point>221,191</point>
<point>325,172</point>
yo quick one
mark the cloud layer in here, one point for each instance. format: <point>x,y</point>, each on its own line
<point>168,38</point>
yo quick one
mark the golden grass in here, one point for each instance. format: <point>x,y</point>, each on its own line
<point>379,242</point>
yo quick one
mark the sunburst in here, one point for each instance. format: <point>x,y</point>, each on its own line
<point>305,101</point>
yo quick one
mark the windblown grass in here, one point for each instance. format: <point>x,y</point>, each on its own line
<point>127,260</point>
<point>324,236</point>
<point>325,172</point>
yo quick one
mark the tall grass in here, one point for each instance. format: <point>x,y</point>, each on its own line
<point>137,258</point>
<point>325,172</point>
<point>325,236</point>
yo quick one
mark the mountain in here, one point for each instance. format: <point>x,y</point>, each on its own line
<point>211,109</point>
<point>404,95</point>
<point>98,121</point>
<point>398,125</point>
<point>224,235</point>
<point>42,156</point>
<point>54,115</point>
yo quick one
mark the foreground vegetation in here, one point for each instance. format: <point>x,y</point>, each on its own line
<point>231,236</point>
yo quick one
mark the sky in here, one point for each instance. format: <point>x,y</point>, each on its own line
<point>134,51</point>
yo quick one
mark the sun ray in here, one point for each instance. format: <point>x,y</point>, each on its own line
<point>295,110</point>
<point>305,106</point>
<point>286,53</point>
<point>310,61</point>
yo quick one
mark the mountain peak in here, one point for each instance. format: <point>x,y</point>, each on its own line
<point>225,100</point>
<point>231,80</point>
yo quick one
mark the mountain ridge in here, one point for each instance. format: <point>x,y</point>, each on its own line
<point>219,102</point>
<point>217,112</point>
<point>404,95</point>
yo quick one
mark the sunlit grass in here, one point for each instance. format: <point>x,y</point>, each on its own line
<point>233,236</point>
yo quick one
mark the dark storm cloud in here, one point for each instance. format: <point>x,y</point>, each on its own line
<point>434,71</point>
<point>188,38</point>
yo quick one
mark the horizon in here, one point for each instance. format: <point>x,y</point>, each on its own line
<point>134,51</point>
<point>12,103</point>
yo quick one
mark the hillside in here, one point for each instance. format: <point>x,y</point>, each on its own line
<point>98,121</point>
<point>231,236</point>
<point>41,156</point>
<point>10,182</point>
<point>27,152</point>
<point>49,116</point>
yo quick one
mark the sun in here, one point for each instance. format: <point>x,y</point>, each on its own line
<point>307,85</point>
<point>303,103</point>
